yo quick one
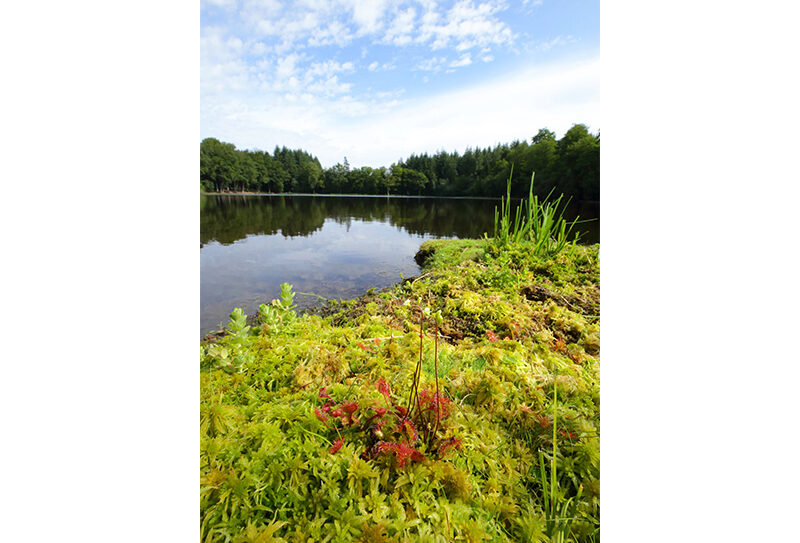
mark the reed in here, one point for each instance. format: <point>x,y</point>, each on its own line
<point>541,223</point>
<point>559,512</point>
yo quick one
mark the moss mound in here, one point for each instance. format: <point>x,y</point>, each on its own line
<point>516,458</point>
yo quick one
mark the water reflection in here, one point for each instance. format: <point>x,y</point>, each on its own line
<point>333,247</point>
<point>229,218</point>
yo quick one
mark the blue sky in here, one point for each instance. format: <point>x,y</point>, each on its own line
<point>376,81</point>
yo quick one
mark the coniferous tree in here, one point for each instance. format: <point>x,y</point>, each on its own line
<point>570,165</point>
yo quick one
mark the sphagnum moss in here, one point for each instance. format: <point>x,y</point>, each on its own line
<point>515,332</point>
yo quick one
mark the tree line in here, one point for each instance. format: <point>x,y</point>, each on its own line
<point>570,165</point>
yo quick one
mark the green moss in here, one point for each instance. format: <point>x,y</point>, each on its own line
<point>441,253</point>
<point>514,328</point>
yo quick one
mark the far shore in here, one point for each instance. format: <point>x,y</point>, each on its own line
<point>203,193</point>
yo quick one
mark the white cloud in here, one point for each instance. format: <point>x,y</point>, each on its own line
<point>286,66</point>
<point>258,48</point>
<point>328,67</point>
<point>224,70</point>
<point>214,47</point>
<point>376,66</point>
<point>264,82</point>
<point>314,23</point>
<point>465,26</point>
<point>389,94</point>
<point>227,4</point>
<point>329,86</point>
<point>221,65</point>
<point>334,33</point>
<point>512,106</point>
<point>433,64</point>
<point>558,40</point>
<point>260,7</point>
<point>464,60</point>
<point>367,15</point>
<point>401,27</point>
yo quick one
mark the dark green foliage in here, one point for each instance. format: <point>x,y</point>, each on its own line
<point>569,166</point>
<point>223,168</point>
<point>227,218</point>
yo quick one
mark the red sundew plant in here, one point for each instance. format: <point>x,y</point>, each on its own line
<point>383,388</point>
<point>393,430</point>
<point>401,451</point>
<point>337,445</point>
<point>543,421</point>
<point>447,444</point>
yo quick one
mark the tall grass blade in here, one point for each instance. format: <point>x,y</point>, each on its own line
<point>541,223</point>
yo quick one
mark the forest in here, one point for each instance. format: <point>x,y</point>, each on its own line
<point>570,165</point>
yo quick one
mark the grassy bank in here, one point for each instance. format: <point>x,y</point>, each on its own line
<point>330,428</point>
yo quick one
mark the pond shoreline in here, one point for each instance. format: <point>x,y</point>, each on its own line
<point>346,195</point>
<point>337,247</point>
<point>326,306</point>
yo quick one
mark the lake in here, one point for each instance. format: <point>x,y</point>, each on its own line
<point>327,247</point>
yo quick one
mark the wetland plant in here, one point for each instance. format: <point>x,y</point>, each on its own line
<point>406,433</point>
<point>278,311</point>
<point>314,431</point>
<point>540,223</point>
<point>559,513</point>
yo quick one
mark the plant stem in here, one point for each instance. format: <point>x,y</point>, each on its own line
<point>418,373</point>
<point>555,442</point>
<point>436,377</point>
<point>413,397</point>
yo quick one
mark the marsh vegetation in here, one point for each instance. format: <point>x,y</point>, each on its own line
<point>458,405</point>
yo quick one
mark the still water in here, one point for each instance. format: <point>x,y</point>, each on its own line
<point>327,247</point>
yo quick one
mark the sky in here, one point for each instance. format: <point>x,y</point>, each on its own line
<point>376,81</point>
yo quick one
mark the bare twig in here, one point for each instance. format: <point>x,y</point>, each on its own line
<point>420,277</point>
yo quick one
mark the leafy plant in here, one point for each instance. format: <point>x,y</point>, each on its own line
<point>278,312</point>
<point>287,297</point>
<point>231,354</point>
<point>238,322</point>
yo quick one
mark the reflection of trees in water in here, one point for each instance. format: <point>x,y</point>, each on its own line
<point>230,218</point>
